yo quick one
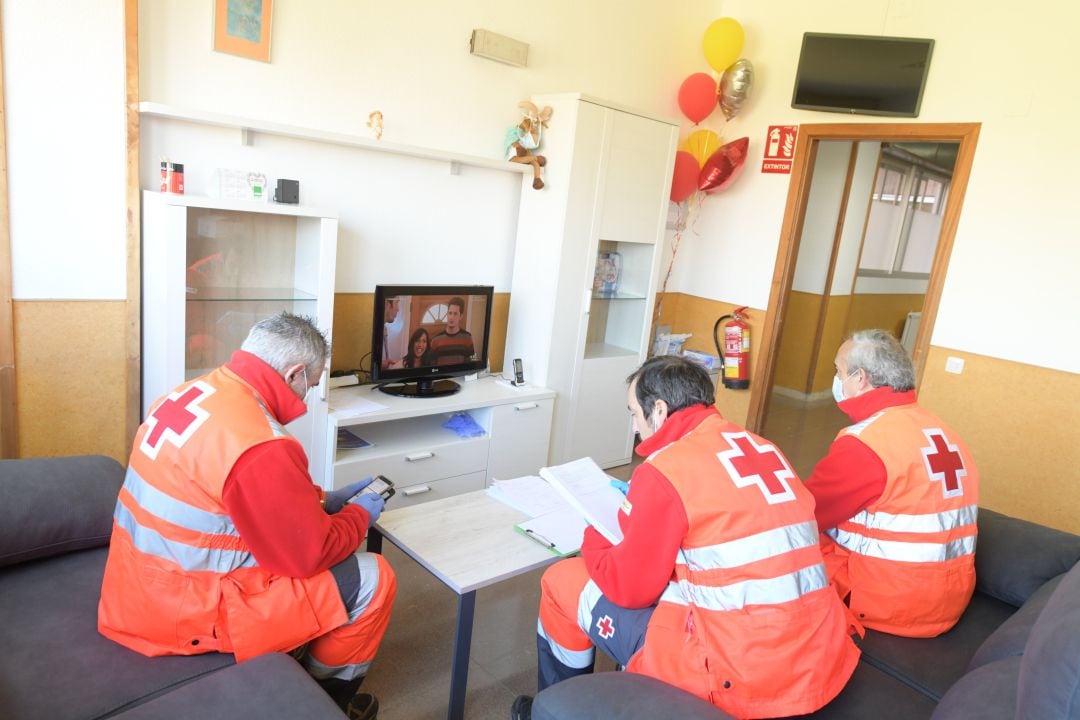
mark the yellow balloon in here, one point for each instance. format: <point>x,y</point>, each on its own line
<point>702,144</point>
<point>723,43</point>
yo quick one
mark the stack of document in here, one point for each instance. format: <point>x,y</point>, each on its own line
<point>562,502</point>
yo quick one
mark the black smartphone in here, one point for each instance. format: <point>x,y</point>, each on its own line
<point>519,374</point>
<point>380,485</point>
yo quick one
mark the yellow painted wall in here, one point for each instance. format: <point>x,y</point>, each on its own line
<point>353,313</point>
<point>697,315</point>
<point>1020,422</point>
<point>797,341</point>
<point>831,336</point>
<point>70,378</point>
<point>888,312</point>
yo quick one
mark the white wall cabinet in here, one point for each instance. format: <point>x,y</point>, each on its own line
<point>213,268</point>
<point>408,443</point>
<point>608,181</point>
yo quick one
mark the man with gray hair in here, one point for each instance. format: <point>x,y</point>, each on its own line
<point>221,542</point>
<point>897,497</point>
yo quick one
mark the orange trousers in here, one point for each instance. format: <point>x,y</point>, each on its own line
<point>346,652</point>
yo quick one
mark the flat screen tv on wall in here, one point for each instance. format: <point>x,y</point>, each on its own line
<point>861,74</point>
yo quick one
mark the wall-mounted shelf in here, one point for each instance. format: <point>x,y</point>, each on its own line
<point>248,127</point>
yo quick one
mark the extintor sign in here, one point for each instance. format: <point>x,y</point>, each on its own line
<point>779,148</point>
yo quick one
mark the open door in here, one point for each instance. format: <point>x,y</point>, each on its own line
<point>809,147</point>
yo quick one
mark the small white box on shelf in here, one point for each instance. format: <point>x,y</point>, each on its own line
<point>231,184</point>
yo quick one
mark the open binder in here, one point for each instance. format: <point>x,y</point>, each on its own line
<point>562,502</point>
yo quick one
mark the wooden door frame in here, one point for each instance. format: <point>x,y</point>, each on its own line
<point>966,134</point>
<point>133,303</point>
<point>9,438</point>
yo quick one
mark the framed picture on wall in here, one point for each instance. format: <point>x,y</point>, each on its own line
<point>242,27</point>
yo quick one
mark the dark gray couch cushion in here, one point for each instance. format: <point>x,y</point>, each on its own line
<point>986,693</point>
<point>620,696</point>
<point>268,687</point>
<point>50,506</point>
<point>871,693</point>
<point>53,662</point>
<point>1010,639</point>
<point>1049,687</point>
<point>932,665</point>
<point>1014,558</point>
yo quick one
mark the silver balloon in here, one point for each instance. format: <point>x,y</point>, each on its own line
<point>735,87</point>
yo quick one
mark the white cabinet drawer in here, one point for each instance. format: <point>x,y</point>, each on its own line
<point>519,439</point>
<point>422,463</point>
<point>435,490</point>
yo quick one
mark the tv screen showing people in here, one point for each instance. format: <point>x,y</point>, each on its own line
<point>430,331</point>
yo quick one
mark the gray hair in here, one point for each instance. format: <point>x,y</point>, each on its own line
<point>883,358</point>
<point>285,339</point>
<point>677,381</point>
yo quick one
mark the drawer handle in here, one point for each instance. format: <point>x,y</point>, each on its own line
<point>527,406</point>
<point>416,457</point>
<point>419,489</point>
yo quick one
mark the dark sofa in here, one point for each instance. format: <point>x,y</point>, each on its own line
<point>1014,654</point>
<point>55,521</point>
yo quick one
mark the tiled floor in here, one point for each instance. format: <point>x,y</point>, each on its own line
<point>411,675</point>
<point>803,430</point>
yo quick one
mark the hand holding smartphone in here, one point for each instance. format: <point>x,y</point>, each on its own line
<point>380,485</point>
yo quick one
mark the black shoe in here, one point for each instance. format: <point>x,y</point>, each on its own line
<point>363,706</point>
<point>522,708</point>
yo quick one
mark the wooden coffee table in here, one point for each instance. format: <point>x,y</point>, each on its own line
<point>468,542</point>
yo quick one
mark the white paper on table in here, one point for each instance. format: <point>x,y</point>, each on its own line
<point>355,405</point>
<point>588,489</point>
<point>531,495</point>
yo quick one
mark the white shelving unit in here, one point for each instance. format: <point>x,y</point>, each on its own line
<point>211,269</point>
<point>608,181</point>
<point>410,445</point>
<point>248,127</point>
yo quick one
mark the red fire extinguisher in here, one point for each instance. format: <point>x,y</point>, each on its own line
<point>735,354</point>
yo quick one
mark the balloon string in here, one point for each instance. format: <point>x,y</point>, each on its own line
<point>676,241</point>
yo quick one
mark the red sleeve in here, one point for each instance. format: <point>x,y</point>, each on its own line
<point>275,507</point>
<point>845,481</point>
<point>635,572</point>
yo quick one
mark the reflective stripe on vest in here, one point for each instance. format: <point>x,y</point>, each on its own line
<point>926,523</point>
<point>736,596</point>
<point>750,548</point>
<point>903,551</point>
<point>189,557</point>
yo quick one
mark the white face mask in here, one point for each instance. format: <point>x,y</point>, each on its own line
<point>838,387</point>
<point>302,395</point>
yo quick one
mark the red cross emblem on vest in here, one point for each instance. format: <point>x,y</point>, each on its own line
<point>749,463</point>
<point>943,463</point>
<point>176,418</point>
<point>606,627</point>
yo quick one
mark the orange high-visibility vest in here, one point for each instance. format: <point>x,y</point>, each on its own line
<point>748,621</point>
<point>908,559</point>
<point>179,579</point>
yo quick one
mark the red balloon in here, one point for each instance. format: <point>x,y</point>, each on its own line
<point>684,181</point>
<point>723,166</point>
<point>697,96</point>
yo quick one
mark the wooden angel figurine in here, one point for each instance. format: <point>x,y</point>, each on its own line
<point>525,136</point>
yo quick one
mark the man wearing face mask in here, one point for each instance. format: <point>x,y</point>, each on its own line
<point>897,497</point>
<point>221,542</point>
<point>718,586</point>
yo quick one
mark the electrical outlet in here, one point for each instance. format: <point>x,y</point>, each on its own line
<point>499,48</point>
<point>954,365</point>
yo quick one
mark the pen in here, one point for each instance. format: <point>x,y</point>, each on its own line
<point>541,538</point>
